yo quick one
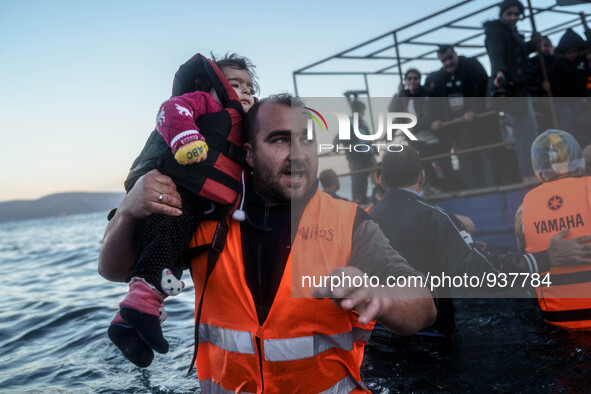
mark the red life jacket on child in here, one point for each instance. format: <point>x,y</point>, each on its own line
<point>219,178</point>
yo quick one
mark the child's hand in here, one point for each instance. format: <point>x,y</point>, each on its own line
<point>193,152</point>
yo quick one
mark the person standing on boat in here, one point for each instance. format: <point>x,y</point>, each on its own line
<point>360,162</point>
<point>435,241</point>
<point>538,85</point>
<point>561,202</point>
<point>569,84</point>
<point>459,79</point>
<point>329,180</point>
<point>508,54</point>
<point>411,97</point>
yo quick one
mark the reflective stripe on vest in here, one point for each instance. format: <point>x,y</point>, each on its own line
<point>290,349</point>
<point>548,209</point>
<point>230,340</point>
<point>567,316</point>
<point>346,385</point>
<point>208,386</point>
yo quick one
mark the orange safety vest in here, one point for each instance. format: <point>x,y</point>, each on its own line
<point>305,345</point>
<point>547,210</point>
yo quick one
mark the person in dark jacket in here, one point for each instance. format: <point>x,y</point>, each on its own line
<point>571,79</point>
<point>508,54</point>
<point>330,183</point>
<point>569,84</point>
<point>461,80</point>
<point>412,88</point>
<point>360,163</point>
<point>411,97</point>
<point>536,74</point>
<point>435,241</point>
<point>539,87</point>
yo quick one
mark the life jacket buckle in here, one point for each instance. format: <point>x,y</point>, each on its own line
<point>219,237</point>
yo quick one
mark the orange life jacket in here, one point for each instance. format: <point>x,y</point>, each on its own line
<point>547,210</point>
<point>305,345</point>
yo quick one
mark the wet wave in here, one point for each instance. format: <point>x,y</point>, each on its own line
<point>57,309</point>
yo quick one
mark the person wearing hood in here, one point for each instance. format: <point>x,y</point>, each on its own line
<point>569,83</point>
<point>559,204</point>
<point>508,54</point>
<point>571,79</point>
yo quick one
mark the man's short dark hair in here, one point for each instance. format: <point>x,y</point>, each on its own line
<point>441,49</point>
<point>233,60</point>
<point>401,169</point>
<point>357,106</point>
<point>328,178</point>
<point>251,121</point>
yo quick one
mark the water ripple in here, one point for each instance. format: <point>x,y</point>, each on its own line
<point>53,332</point>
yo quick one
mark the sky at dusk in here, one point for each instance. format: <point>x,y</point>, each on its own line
<point>81,82</point>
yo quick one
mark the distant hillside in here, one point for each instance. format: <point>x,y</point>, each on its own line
<point>61,204</point>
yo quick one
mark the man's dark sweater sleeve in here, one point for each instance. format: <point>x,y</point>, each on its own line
<point>455,246</point>
<point>371,251</point>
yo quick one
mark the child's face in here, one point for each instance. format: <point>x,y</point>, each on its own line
<point>241,81</point>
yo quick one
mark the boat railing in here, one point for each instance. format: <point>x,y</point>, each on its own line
<point>449,155</point>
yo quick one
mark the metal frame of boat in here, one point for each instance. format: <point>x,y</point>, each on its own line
<point>492,209</point>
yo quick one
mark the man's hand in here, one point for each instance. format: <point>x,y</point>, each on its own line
<point>569,252</point>
<point>469,116</point>
<point>144,198</point>
<point>361,299</point>
<point>118,252</point>
<point>403,311</point>
<point>499,78</point>
<point>435,125</point>
<point>467,222</point>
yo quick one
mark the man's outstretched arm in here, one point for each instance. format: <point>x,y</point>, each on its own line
<point>402,310</point>
<point>118,250</point>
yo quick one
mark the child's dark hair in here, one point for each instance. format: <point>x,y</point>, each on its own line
<point>229,60</point>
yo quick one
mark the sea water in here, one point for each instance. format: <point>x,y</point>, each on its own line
<point>56,309</point>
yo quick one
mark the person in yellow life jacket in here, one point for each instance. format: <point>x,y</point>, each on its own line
<point>259,330</point>
<point>562,203</point>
